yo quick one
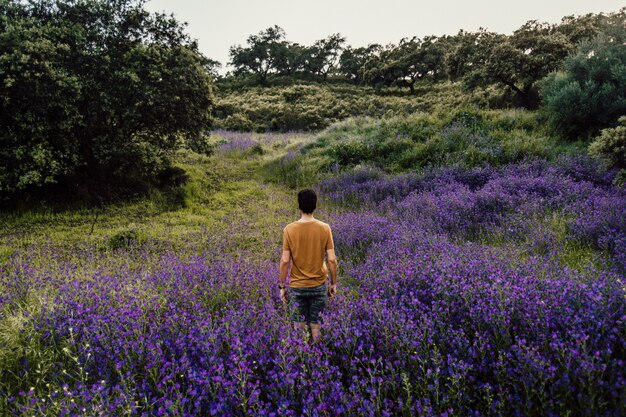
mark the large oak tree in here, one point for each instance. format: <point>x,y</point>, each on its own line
<point>94,91</point>
<point>518,61</point>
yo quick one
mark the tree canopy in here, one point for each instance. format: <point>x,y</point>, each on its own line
<point>268,53</point>
<point>264,51</point>
<point>514,63</point>
<point>353,60</point>
<point>405,64</point>
<point>95,91</point>
<point>518,61</point>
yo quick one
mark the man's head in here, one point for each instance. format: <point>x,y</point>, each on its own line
<point>307,201</point>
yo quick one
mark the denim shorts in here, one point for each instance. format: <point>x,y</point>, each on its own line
<point>306,304</point>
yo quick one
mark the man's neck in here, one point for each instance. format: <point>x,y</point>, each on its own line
<point>306,217</point>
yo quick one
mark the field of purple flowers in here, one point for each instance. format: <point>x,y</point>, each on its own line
<point>484,291</point>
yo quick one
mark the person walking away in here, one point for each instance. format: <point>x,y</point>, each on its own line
<point>305,243</point>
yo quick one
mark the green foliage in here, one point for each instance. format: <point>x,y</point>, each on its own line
<point>582,28</point>
<point>38,100</point>
<point>516,62</point>
<point>261,54</point>
<point>5,254</point>
<point>352,61</point>
<point>237,122</point>
<point>610,146</point>
<point>124,239</point>
<point>323,56</point>
<point>198,143</point>
<point>269,53</point>
<point>28,360</point>
<point>403,143</point>
<point>620,178</point>
<point>95,91</point>
<point>219,191</point>
<point>405,64</point>
<point>315,107</point>
<point>590,93</point>
<point>298,172</point>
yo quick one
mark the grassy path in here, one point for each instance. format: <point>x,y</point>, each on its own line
<point>226,190</point>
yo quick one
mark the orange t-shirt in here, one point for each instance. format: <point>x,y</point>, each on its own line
<point>308,242</point>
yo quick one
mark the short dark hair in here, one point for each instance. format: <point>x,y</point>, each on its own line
<point>307,201</point>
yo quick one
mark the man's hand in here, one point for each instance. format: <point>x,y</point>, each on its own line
<point>332,290</point>
<point>283,296</point>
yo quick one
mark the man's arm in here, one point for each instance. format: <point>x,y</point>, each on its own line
<point>332,268</point>
<point>285,260</point>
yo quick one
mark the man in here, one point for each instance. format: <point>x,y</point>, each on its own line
<point>305,242</point>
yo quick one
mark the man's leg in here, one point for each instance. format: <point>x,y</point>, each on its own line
<point>319,302</point>
<point>315,331</point>
<point>298,309</point>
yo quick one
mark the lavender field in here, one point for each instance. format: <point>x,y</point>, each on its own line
<point>488,290</point>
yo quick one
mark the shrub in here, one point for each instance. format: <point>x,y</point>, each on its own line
<point>124,239</point>
<point>620,178</point>
<point>199,144</point>
<point>590,93</point>
<point>465,138</point>
<point>312,107</point>
<point>471,138</point>
<point>610,146</point>
<point>238,122</point>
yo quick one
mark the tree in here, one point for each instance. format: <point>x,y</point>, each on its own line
<point>590,92</point>
<point>323,56</point>
<point>290,59</point>
<point>610,146</point>
<point>261,55</point>
<point>353,60</point>
<point>519,61</point>
<point>94,92</point>
<point>375,71</point>
<point>464,52</point>
<point>212,67</point>
<point>585,28</point>
<point>406,63</point>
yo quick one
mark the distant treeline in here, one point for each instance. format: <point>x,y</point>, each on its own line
<point>516,61</point>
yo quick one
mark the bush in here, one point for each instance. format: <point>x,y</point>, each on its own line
<point>620,178</point>
<point>124,239</point>
<point>590,93</point>
<point>312,107</point>
<point>610,146</point>
<point>199,144</point>
<point>239,123</point>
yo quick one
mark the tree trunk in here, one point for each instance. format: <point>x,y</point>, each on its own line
<point>522,94</point>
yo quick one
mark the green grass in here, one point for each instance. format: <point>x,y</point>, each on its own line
<point>313,106</point>
<point>399,144</point>
<point>556,241</point>
<point>221,189</point>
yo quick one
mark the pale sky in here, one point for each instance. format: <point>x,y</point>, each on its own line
<point>217,25</point>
